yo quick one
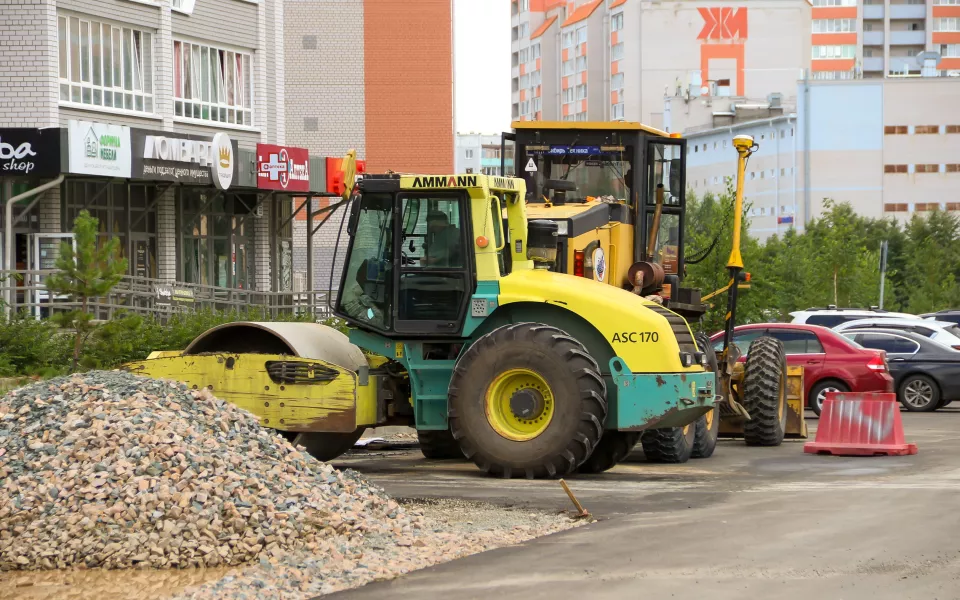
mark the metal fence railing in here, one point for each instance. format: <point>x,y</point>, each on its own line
<point>24,291</point>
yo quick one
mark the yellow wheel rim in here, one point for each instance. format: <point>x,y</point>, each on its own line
<point>782,398</point>
<point>709,419</point>
<point>519,404</point>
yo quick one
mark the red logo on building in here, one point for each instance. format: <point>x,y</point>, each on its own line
<point>723,24</point>
<point>723,36</point>
<point>283,168</point>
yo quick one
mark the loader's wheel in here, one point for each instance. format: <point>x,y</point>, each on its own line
<point>527,400</point>
<point>438,445</point>
<point>765,393</point>
<point>613,447</point>
<point>325,446</point>
<point>708,426</point>
<point>669,445</point>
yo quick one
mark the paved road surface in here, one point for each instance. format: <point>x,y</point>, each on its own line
<point>747,523</point>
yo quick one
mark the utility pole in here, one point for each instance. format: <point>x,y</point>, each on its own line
<point>883,268</point>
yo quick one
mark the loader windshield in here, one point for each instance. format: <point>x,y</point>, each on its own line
<point>600,176</point>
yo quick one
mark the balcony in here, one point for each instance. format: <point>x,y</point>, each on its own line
<point>873,11</point>
<point>899,63</point>
<point>908,38</point>
<point>906,11</point>
<point>872,38</point>
<point>873,63</point>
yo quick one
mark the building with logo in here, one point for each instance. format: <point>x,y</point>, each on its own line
<point>183,127</point>
<point>599,60</point>
<point>889,146</point>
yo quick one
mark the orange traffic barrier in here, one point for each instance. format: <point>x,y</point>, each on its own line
<point>861,424</point>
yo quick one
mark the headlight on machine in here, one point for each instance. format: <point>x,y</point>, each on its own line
<point>687,359</point>
<point>563,227</point>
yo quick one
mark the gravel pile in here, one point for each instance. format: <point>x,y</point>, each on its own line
<point>112,470</point>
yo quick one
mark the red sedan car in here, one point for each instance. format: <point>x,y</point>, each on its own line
<point>831,362</point>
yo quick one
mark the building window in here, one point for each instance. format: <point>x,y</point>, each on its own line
<point>582,91</point>
<point>524,5</point>
<point>617,51</point>
<point>524,82</point>
<point>822,52</point>
<point>926,168</point>
<point>952,168</point>
<point>569,38</point>
<point>894,168</point>
<point>103,65</point>
<point>582,35</point>
<point>468,153</point>
<point>616,22</point>
<point>900,207</point>
<point>926,129</point>
<point>895,130</point>
<point>946,2</point>
<point>184,6</point>
<point>524,55</point>
<point>524,30</point>
<point>212,84</point>
<point>834,2</point>
<point>946,24</point>
<point>535,51</point>
<point>950,50</point>
<point>568,67</point>
<point>581,64</point>
<point>953,128</point>
<point>834,25</point>
<point>568,96</point>
<point>616,82</point>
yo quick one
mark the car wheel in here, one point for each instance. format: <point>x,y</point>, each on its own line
<point>919,393</point>
<point>819,393</point>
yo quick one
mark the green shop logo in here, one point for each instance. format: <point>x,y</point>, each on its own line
<point>104,147</point>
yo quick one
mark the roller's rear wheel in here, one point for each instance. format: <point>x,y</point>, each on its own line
<point>325,446</point>
<point>438,445</point>
<point>527,400</point>
<point>669,445</point>
<point>765,393</point>
<point>614,446</point>
<point>708,425</point>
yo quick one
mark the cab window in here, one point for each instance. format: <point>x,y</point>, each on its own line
<point>741,340</point>
<point>892,344</point>
<point>798,342</point>
<point>368,277</point>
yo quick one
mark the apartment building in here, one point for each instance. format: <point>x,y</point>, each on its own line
<point>169,121</point>
<point>887,38</point>
<point>596,60</point>
<point>887,146</point>
<point>480,153</point>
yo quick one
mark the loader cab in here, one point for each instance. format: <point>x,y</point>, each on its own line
<point>408,268</point>
<point>628,167</point>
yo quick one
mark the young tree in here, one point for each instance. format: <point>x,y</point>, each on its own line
<point>90,272</point>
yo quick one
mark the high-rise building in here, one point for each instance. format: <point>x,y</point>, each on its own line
<point>480,153</point>
<point>884,38</point>
<point>597,60</point>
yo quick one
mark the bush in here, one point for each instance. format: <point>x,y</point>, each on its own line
<point>39,348</point>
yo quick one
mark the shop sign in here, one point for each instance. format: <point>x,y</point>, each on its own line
<point>29,152</point>
<point>98,149</point>
<point>283,168</point>
<point>184,158</point>
<point>171,295</point>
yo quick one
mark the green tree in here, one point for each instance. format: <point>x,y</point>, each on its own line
<point>931,262</point>
<point>90,272</point>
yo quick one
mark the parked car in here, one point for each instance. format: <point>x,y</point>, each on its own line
<point>833,316</point>
<point>952,315</point>
<point>926,374</point>
<point>831,362</point>
<point>942,332</point>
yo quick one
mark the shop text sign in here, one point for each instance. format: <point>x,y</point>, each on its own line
<point>184,158</point>
<point>283,168</point>
<point>99,149</point>
<point>29,152</point>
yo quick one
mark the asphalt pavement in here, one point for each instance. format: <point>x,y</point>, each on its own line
<point>745,523</point>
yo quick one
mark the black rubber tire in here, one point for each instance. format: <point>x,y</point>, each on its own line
<point>819,387</point>
<point>669,445</point>
<point>613,447</point>
<point>935,392</point>
<point>438,445</point>
<point>705,438</point>
<point>326,446</point>
<point>765,393</point>
<point>580,406</point>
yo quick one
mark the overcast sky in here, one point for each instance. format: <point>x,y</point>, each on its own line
<point>481,32</point>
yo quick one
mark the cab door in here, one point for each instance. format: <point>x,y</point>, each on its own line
<point>433,279</point>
